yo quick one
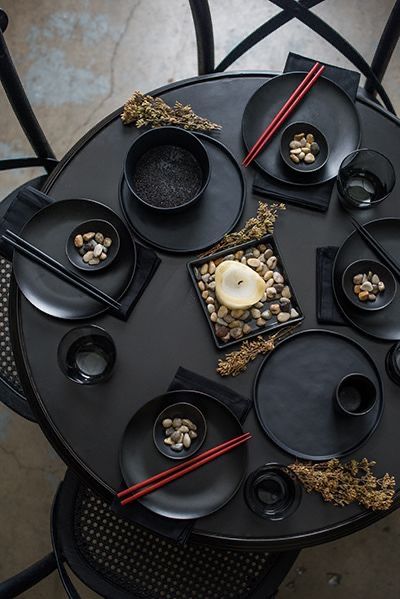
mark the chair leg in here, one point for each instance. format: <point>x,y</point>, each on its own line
<point>25,580</point>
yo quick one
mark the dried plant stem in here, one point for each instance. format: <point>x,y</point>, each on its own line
<point>255,228</point>
<point>344,483</point>
<point>145,110</point>
<point>236,362</point>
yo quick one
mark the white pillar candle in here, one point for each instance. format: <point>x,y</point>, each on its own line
<point>238,286</point>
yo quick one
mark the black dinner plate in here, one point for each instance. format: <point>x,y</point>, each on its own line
<point>385,323</point>
<point>326,106</point>
<point>199,226</point>
<point>48,230</point>
<point>201,492</point>
<point>294,395</point>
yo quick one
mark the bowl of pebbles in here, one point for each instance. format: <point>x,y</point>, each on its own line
<point>93,245</point>
<point>369,285</point>
<point>179,431</point>
<point>167,170</point>
<point>304,147</point>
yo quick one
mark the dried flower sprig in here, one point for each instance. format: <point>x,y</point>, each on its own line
<point>146,110</point>
<point>342,483</point>
<point>236,362</point>
<point>255,228</point>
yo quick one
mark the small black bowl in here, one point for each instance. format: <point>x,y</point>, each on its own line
<point>173,136</point>
<point>86,355</point>
<point>321,158</point>
<point>364,266</point>
<point>180,410</point>
<point>355,395</point>
<point>98,226</point>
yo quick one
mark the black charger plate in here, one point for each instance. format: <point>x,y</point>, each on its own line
<point>385,323</point>
<point>201,225</point>
<point>48,230</point>
<point>326,106</point>
<point>294,395</point>
<point>201,492</point>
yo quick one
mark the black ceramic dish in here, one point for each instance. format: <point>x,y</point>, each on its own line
<point>393,363</point>
<point>202,491</point>
<point>355,395</point>
<point>272,324</point>
<point>95,225</point>
<point>171,136</point>
<point>48,230</point>
<point>302,167</point>
<point>273,492</point>
<point>201,225</point>
<point>383,299</point>
<point>180,410</point>
<point>383,324</point>
<point>327,106</point>
<point>87,355</point>
<point>294,395</point>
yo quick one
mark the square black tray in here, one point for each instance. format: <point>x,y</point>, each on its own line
<point>272,325</point>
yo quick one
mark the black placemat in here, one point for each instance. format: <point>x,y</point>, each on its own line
<point>327,309</point>
<point>179,530</point>
<point>318,196</point>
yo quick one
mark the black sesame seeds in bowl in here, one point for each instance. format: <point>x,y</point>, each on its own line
<point>167,169</point>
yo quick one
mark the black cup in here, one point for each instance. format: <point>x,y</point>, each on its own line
<point>87,355</point>
<point>272,492</point>
<point>173,136</point>
<point>393,363</point>
<point>355,395</point>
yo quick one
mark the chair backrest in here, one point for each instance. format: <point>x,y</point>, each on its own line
<point>300,9</point>
<point>23,111</point>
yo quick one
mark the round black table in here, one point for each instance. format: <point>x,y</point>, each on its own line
<point>85,424</point>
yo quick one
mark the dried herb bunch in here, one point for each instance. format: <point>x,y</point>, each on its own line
<point>347,482</point>
<point>236,362</point>
<point>146,110</point>
<point>255,228</point>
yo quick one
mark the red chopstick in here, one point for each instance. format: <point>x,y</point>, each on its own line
<point>172,474</point>
<point>303,88</point>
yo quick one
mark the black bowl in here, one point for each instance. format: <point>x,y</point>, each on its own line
<point>98,226</point>
<point>363,266</point>
<point>86,355</point>
<point>355,395</point>
<point>287,136</point>
<point>180,410</point>
<point>173,136</point>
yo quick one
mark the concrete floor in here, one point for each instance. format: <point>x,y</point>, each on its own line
<point>79,60</point>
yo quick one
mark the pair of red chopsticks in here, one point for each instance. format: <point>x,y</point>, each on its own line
<point>301,90</point>
<point>167,476</point>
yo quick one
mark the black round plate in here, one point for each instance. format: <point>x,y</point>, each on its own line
<point>326,106</point>
<point>294,395</point>
<point>48,230</point>
<point>201,225</point>
<point>382,324</point>
<point>201,492</point>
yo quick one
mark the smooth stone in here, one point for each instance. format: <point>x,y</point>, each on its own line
<point>223,311</point>
<point>269,283</point>
<point>286,292</point>
<point>239,254</point>
<point>268,253</point>
<point>294,145</point>
<point>367,286</point>
<point>266,315</point>
<point>375,279</point>
<point>221,331</point>
<point>205,294</point>
<point>206,278</point>
<point>260,322</point>
<point>236,323</point>
<point>275,308</point>
<point>214,317</point>
<point>88,236</point>
<point>98,250</point>
<point>237,313</point>
<point>183,429</point>
<point>314,147</point>
<point>99,238</point>
<point>176,435</point>
<point>381,286</point>
<point>236,333</point>
<point>188,423</point>
<point>246,329</point>
<point>222,321</point>
<point>298,136</point>
<point>294,158</point>
<point>210,308</point>
<point>255,313</point>
<point>295,152</point>
<point>245,315</point>
<point>177,422</point>
<point>309,158</point>
<point>169,431</point>
<point>283,317</point>
<point>268,275</point>
<point>301,155</point>
<point>167,422</point>
<point>210,299</point>
<point>372,297</point>
<point>284,300</point>
<point>228,257</point>
<point>204,269</point>
<point>94,261</point>
<point>192,434</point>
<point>272,262</point>
<point>168,441</point>
<point>211,267</point>
<point>78,241</point>
<point>309,138</point>
<point>271,293</point>
<point>177,447</point>
<point>103,256</point>
<point>201,285</point>
<point>187,441</point>
<point>107,242</point>
<point>363,296</point>
<point>211,285</point>
<point>294,313</point>
<point>253,262</point>
<point>256,253</point>
<point>229,318</point>
<point>88,256</point>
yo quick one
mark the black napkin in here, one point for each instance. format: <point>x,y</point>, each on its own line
<point>327,310</point>
<point>29,201</point>
<point>315,197</point>
<point>179,530</point>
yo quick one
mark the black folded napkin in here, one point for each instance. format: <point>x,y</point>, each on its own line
<point>315,197</point>
<point>30,200</point>
<point>179,530</point>
<point>327,310</point>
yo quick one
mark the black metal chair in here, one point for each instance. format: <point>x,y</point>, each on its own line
<point>11,392</point>
<point>117,559</point>
<point>300,9</point>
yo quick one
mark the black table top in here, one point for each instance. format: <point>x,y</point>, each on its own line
<point>167,328</point>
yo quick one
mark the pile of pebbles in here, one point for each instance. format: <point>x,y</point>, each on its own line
<point>179,433</point>
<point>367,286</point>
<point>303,147</point>
<point>274,307</point>
<point>93,247</point>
